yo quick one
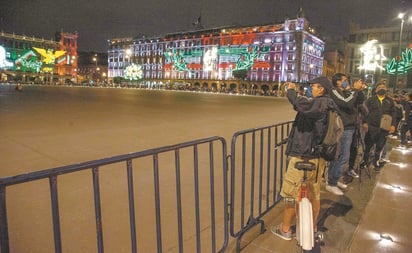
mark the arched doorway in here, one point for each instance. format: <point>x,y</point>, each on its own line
<point>233,88</point>
<point>205,87</point>
<point>214,87</point>
<point>265,90</point>
<point>197,86</point>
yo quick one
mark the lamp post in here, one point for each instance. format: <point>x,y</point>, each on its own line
<point>96,68</point>
<point>128,55</point>
<point>401,16</point>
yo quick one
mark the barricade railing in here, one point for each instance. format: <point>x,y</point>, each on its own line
<point>177,202</point>
<point>257,166</point>
<point>186,206</point>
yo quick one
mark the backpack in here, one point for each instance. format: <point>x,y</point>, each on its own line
<point>330,145</point>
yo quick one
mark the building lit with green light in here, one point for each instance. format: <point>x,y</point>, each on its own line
<point>371,55</point>
<point>36,60</point>
<point>262,56</point>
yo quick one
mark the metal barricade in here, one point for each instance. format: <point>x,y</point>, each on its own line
<point>185,207</point>
<point>257,167</point>
<point>177,201</point>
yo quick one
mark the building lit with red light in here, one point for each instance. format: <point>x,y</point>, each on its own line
<point>261,56</point>
<point>36,60</point>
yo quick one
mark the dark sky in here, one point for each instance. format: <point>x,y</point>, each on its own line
<point>99,20</point>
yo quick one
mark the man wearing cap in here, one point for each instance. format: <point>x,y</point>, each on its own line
<point>347,99</point>
<point>307,133</point>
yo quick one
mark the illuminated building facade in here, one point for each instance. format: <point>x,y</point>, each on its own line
<point>259,55</point>
<point>368,52</point>
<point>35,60</point>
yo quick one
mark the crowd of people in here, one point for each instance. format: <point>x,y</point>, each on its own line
<point>367,123</point>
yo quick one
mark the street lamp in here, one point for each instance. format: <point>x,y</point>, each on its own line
<point>128,53</point>
<point>401,16</point>
<point>399,57</point>
<point>96,68</point>
<point>95,59</point>
<point>310,71</point>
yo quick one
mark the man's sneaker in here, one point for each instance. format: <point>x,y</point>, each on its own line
<point>334,189</point>
<point>384,160</point>
<point>342,185</point>
<point>377,164</point>
<point>353,173</point>
<point>402,146</point>
<point>277,230</point>
<point>363,165</point>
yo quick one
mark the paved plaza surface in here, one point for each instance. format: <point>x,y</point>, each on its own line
<point>47,127</point>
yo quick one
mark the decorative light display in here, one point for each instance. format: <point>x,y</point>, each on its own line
<point>245,57</point>
<point>133,72</point>
<point>372,55</point>
<point>400,65</point>
<point>177,59</point>
<point>210,59</point>
<point>246,60</point>
<point>4,63</point>
<point>28,62</point>
<point>48,55</point>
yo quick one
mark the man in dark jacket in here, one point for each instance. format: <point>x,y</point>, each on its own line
<point>380,122</point>
<point>347,99</point>
<point>306,135</point>
<point>407,120</point>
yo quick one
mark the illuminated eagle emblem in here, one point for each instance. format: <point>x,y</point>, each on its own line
<point>49,56</point>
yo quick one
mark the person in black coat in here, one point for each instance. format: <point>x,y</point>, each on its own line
<point>407,120</point>
<point>380,122</point>
<point>304,139</point>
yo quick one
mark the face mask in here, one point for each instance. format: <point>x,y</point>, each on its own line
<point>345,84</point>
<point>381,92</point>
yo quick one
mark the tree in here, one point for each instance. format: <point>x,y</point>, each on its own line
<point>117,79</point>
<point>240,74</point>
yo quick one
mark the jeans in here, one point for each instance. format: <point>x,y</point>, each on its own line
<point>374,137</point>
<point>336,167</point>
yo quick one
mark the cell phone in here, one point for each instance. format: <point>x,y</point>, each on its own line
<point>308,91</point>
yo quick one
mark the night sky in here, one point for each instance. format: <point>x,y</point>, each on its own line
<point>99,20</point>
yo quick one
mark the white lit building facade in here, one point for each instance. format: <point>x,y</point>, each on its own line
<point>368,52</point>
<point>268,54</point>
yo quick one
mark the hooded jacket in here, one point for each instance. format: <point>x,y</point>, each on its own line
<point>310,124</point>
<point>347,102</point>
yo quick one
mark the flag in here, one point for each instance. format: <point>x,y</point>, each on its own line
<point>198,21</point>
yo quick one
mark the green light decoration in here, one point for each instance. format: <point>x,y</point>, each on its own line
<point>246,60</point>
<point>177,59</point>
<point>229,50</point>
<point>28,62</point>
<point>401,65</point>
<point>133,72</point>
